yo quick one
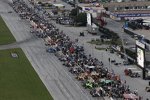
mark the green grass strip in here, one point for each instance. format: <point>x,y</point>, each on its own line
<point>6,36</point>
<point>18,79</point>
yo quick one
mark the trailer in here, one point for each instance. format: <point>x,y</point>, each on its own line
<point>93,29</point>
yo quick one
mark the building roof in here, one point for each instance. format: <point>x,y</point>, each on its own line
<point>91,6</point>
<point>145,33</point>
<point>43,1</point>
<point>131,11</point>
<point>131,3</point>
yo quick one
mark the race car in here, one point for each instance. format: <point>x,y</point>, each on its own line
<point>97,92</point>
<point>51,50</point>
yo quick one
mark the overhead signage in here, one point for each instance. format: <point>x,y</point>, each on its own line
<point>140,49</point>
<point>89,19</point>
<point>140,57</point>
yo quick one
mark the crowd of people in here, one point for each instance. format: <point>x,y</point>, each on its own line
<point>91,72</point>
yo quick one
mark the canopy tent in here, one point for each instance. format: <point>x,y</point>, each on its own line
<point>91,80</point>
<point>94,73</point>
<point>130,96</point>
<point>89,66</point>
<point>59,5</point>
<point>94,25</point>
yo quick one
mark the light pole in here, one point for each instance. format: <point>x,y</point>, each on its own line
<point>122,40</point>
<point>76,6</point>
